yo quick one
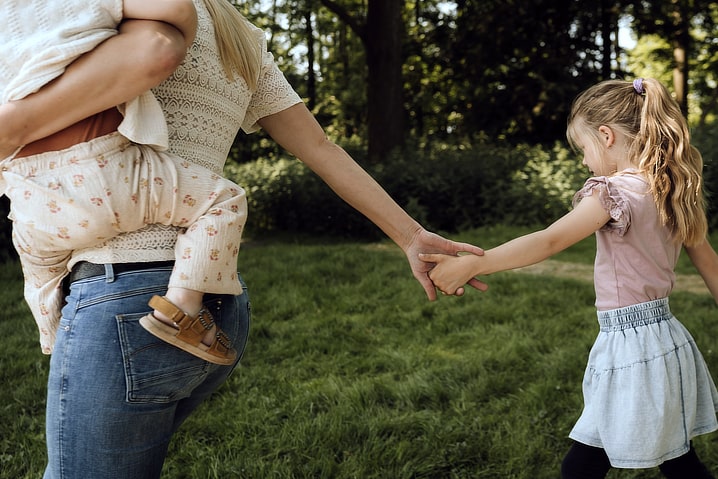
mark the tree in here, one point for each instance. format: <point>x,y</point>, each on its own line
<point>705,77</point>
<point>610,12</point>
<point>380,71</point>
<point>381,32</point>
<point>672,20</point>
<point>519,64</point>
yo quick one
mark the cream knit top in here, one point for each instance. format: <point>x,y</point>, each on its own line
<point>204,112</point>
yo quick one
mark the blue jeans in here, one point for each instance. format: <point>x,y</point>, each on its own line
<point>116,394</point>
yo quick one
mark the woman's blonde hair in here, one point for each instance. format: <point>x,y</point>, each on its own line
<point>238,46</point>
<point>660,147</point>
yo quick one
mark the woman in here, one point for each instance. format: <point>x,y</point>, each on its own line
<point>114,414</point>
<point>647,389</point>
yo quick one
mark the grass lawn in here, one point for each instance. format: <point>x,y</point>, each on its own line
<point>351,373</point>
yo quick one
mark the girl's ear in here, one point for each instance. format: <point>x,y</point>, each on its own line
<point>607,136</point>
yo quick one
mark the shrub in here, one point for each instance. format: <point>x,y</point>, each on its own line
<point>446,189</point>
<point>285,196</point>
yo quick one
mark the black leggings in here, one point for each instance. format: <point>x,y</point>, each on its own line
<point>587,462</point>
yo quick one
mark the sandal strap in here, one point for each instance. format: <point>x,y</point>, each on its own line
<point>191,330</point>
<point>222,345</point>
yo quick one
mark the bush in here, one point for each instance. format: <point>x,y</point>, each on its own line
<point>285,196</point>
<point>446,189</point>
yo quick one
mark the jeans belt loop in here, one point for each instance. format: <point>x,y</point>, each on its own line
<point>109,273</point>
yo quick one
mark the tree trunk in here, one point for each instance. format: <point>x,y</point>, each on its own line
<point>680,76</point>
<point>311,59</point>
<point>606,31</point>
<point>384,61</point>
<point>681,49</point>
<point>382,36</point>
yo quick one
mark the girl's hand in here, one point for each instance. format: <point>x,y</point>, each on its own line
<point>450,273</point>
<point>425,248</point>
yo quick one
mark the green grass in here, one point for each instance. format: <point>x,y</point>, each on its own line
<point>351,373</point>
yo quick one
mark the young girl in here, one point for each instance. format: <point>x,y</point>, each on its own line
<point>647,390</point>
<point>84,194</point>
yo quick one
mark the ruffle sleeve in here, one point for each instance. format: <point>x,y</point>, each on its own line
<point>612,199</point>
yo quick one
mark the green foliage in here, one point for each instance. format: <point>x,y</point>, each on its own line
<point>508,69</point>
<point>23,374</point>
<point>446,189</point>
<point>285,196</point>
<point>546,184</point>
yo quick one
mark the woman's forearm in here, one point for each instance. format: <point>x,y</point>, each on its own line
<point>358,189</point>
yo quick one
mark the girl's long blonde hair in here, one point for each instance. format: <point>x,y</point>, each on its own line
<point>659,147</point>
<point>238,47</point>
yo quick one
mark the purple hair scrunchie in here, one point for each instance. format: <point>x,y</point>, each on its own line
<point>638,86</point>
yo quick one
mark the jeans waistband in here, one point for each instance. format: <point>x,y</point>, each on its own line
<point>85,269</point>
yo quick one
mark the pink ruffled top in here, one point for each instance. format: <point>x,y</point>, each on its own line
<point>635,255</point>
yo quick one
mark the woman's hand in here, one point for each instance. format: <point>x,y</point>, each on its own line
<point>425,242</point>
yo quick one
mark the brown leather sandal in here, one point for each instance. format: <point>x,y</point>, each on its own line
<point>189,332</point>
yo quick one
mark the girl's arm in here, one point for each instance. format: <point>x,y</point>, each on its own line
<point>181,14</point>
<point>296,130</point>
<point>453,271</point>
<point>118,70</point>
<point>705,259</point>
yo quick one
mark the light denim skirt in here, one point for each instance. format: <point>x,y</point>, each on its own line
<point>647,390</point>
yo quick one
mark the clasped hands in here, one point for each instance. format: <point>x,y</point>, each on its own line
<point>426,250</point>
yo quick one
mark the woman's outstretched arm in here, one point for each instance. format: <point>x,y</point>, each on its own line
<point>296,130</point>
